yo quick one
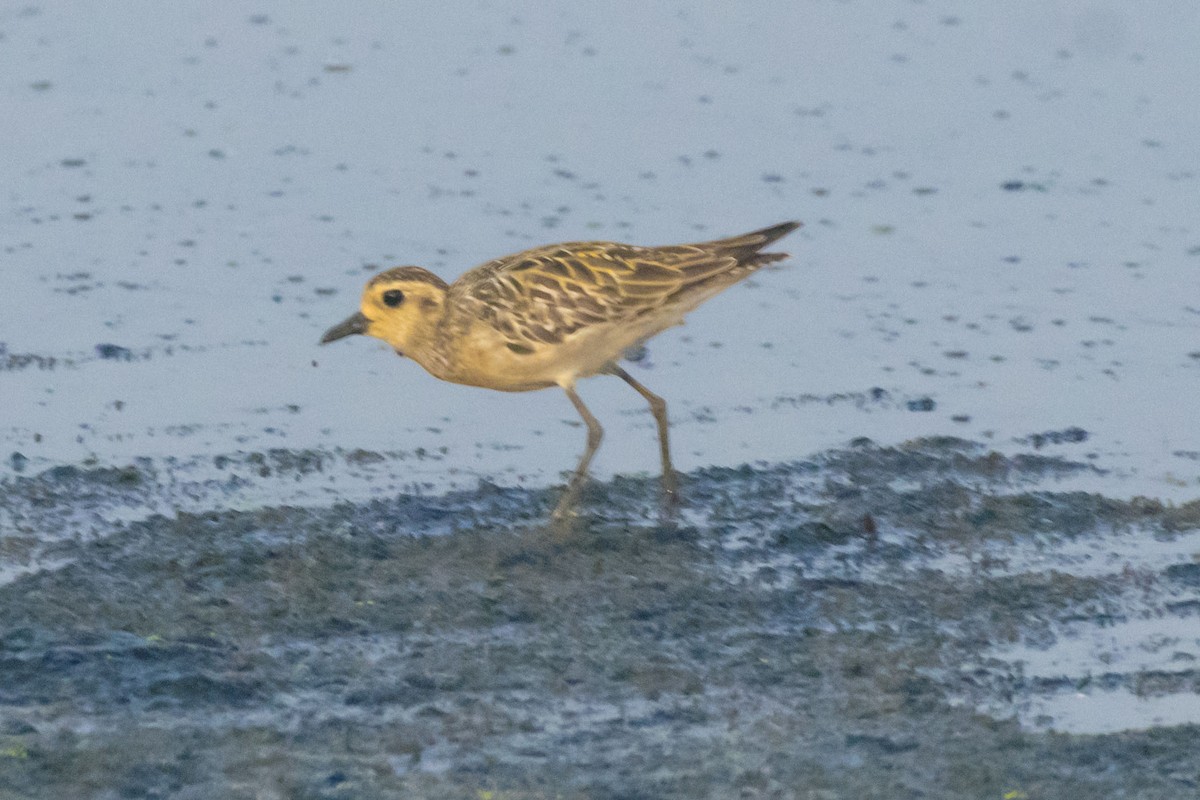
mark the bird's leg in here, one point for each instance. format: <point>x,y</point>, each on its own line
<point>658,407</point>
<point>594,435</point>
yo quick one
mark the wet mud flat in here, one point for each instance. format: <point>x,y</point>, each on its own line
<point>865,624</point>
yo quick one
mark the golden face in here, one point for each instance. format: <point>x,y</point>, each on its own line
<point>400,306</point>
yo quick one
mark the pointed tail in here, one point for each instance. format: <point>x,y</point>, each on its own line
<point>745,248</point>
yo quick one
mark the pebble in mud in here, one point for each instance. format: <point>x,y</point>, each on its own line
<point>1072,435</point>
<point>114,352</point>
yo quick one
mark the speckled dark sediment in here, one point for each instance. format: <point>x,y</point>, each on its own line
<point>795,639</point>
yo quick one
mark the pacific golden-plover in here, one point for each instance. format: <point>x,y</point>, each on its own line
<point>554,314</point>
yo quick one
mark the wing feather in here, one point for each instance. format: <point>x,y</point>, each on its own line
<point>543,295</point>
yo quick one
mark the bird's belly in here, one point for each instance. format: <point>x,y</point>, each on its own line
<point>491,363</point>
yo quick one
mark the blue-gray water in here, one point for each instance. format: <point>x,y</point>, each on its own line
<point>999,209</point>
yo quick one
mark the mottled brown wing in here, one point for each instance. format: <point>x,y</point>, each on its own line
<point>545,294</point>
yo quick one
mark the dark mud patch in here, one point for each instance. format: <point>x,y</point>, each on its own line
<point>825,629</point>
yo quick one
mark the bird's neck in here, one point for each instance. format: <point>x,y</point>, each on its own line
<point>429,347</point>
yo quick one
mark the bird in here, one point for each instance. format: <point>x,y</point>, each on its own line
<point>554,314</point>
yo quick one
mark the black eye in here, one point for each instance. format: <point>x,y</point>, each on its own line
<point>393,298</point>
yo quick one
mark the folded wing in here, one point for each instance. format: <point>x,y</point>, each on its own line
<point>543,295</point>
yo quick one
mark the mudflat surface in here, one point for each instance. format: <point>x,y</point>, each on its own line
<point>866,624</point>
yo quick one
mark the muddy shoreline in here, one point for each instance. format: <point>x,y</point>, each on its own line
<point>801,634</point>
